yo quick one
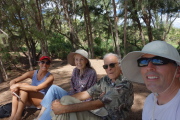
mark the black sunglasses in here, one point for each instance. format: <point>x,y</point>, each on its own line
<point>157,60</point>
<point>111,65</point>
<point>44,62</point>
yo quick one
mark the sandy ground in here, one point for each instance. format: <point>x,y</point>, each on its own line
<point>62,73</point>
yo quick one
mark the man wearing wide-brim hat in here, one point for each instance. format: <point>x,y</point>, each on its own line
<point>158,66</point>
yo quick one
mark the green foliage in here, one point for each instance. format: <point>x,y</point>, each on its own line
<point>23,49</point>
<point>9,59</point>
<point>101,47</point>
<point>158,32</point>
<point>27,28</point>
<point>5,55</point>
<point>98,41</point>
<point>58,46</point>
<point>174,38</point>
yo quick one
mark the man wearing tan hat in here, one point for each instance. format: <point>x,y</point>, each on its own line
<point>112,97</point>
<point>158,66</point>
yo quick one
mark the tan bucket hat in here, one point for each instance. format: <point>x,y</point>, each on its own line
<point>82,52</point>
<point>129,65</point>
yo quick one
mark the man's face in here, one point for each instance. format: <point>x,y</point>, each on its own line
<point>112,72</point>
<point>157,77</point>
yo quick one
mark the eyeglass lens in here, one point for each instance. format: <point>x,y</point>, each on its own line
<point>111,65</point>
<point>155,61</point>
<point>44,62</point>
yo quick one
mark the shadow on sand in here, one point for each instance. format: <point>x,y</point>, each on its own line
<point>62,79</point>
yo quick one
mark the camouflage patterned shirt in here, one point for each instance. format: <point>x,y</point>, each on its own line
<point>118,97</point>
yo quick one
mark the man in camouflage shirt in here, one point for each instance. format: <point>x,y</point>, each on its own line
<point>112,97</point>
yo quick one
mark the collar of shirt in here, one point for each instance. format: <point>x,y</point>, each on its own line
<point>85,70</point>
<point>118,80</point>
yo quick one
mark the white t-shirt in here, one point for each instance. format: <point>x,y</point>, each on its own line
<point>168,111</point>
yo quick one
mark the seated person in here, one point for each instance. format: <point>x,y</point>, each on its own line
<point>30,94</point>
<point>158,66</point>
<point>112,97</point>
<point>83,77</point>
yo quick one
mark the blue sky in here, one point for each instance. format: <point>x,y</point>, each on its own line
<point>176,23</point>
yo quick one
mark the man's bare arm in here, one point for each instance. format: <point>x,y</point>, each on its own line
<point>58,108</point>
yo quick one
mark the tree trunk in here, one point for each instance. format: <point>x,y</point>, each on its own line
<point>168,28</point>
<point>117,45</point>
<point>40,27</point>
<point>88,28</point>
<point>26,40</point>
<point>1,77</point>
<point>33,51</point>
<point>29,57</point>
<point>3,70</point>
<point>110,25</point>
<point>136,19</point>
<point>147,19</point>
<point>125,20</point>
<point>73,35</point>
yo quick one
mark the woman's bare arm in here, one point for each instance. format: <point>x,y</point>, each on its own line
<point>24,76</point>
<point>24,86</point>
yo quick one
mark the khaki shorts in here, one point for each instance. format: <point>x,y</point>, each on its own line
<point>85,115</point>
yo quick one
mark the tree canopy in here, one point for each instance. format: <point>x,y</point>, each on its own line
<point>56,27</point>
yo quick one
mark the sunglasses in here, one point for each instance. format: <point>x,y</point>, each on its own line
<point>111,65</point>
<point>142,62</point>
<point>44,62</point>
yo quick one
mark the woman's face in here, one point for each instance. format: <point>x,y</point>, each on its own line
<point>80,61</point>
<point>44,64</point>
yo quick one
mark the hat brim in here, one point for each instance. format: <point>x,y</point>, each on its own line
<point>70,58</point>
<point>45,57</point>
<point>130,67</point>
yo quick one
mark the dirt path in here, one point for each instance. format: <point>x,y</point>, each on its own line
<point>62,73</point>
